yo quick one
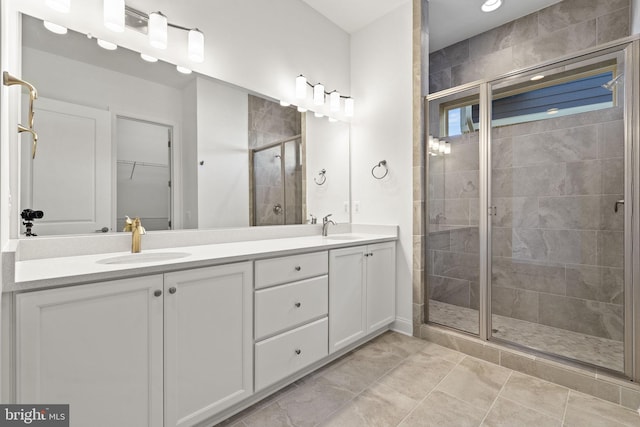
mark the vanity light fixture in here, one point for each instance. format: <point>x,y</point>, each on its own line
<point>148,58</point>
<point>183,70</point>
<point>491,5</point>
<point>334,101</point>
<point>196,45</point>
<point>63,6</point>
<point>107,45</point>
<point>55,28</point>
<point>113,15</point>
<point>348,107</point>
<point>158,29</point>
<point>318,94</point>
<point>301,87</point>
<point>436,146</point>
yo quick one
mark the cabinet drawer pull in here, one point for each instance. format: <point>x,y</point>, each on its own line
<point>298,268</point>
<point>173,290</point>
<point>157,293</point>
<point>298,351</point>
<point>298,305</point>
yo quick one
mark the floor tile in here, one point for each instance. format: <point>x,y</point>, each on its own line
<point>401,345</point>
<point>378,406</point>
<point>506,413</point>
<point>429,369</point>
<point>585,411</point>
<point>434,349</point>
<point>534,393</point>
<point>475,382</point>
<point>441,410</point>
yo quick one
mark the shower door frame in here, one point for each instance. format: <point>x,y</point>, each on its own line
<point>630,47</point>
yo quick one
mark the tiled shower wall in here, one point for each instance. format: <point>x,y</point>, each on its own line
<point>550,33</point>
<point>557,244</point>
<point>268,123</point>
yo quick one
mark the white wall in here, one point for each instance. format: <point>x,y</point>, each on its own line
<point>327,147</point>
<point>223,138</point>
<point>381,81</point>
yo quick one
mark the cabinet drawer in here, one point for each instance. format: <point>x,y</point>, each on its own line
<point>286,306</point>
<point>284,354</point>
<point>290,268</point>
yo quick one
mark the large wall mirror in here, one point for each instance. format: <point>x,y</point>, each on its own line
<point>122,136</point>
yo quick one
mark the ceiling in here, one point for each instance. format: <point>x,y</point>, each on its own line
<point>450,21</point>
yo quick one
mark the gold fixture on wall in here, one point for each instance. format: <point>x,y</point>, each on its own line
<point>10,80</point>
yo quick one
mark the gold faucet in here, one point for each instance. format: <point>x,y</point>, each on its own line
<point>137,230</point>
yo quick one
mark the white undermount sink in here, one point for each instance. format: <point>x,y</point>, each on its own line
<point>144,257</point>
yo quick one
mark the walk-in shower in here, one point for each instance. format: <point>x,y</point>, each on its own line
<point>530,226</point>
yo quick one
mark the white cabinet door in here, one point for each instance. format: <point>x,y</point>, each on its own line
<point>381,289</point>
<point>96,347</point>
<point>208,341</point>
<point>347,297</point>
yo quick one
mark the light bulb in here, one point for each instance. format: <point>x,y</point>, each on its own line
<point>183,70</point>
<point>55,28</point>
<point>113,15</point>
<point>107,45</point>
<point>158,30</point>
<point>284,103</point>
<point>334,101</point>
<point>348,107</point>
<point>447,148</point>
<point>196,45</point>
<point>148,58</point>
<point>301,87</point>
<point>302,110</point>
<point>318,94</point>
<point>63,6</point>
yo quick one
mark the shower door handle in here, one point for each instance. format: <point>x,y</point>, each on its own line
<point>618,202</point>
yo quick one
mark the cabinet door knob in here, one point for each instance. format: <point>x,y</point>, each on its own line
<point>157,293</point>
<point>370,253</point>
<point>173,290</point>
<point>298,305</point>
<point>298,268</point>
<point>298,351</point>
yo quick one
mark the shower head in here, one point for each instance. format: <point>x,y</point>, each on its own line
<point>613,82</point>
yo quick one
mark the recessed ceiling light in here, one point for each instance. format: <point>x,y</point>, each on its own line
<point>148,58</point>
<point>55,28</point>
<point>183,70</point>
<point>491,5</point>
<point>107,45</point>
<point>537,77</point>
<point>552,111</point>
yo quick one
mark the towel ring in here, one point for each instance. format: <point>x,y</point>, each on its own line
<point>383,163</point>
<point>323,177</point>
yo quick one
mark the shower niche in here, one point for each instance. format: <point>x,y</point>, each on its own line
<point>527,227</point>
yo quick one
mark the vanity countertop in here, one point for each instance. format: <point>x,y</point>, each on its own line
<point>71,270</point>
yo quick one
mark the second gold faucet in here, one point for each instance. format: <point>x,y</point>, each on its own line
<point>137,230</point>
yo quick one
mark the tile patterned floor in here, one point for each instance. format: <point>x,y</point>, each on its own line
<point>586,348</point>
<point>403,381</point>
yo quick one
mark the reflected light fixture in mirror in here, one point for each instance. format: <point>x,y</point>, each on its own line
<point>158,28</point>
<point>285,103</point>
<point>183,70</point>
<point>491,5</point>
<point>318,94</point>
<point>113,15</point>
<point>348,107</point>
<point>63,6</point>
<point>334,101</point>
<point>107,45</point>
<point>55,28</point>
<point>148,58</point>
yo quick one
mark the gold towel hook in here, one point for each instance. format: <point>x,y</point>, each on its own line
<point>10,80</point>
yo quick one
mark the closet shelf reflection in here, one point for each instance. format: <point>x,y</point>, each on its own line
<point>136,163</point>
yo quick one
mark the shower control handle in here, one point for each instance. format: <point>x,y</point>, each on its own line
<point>618,203</point>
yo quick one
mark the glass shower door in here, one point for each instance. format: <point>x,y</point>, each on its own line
<point>453,200</point>
<point>557,222</point>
